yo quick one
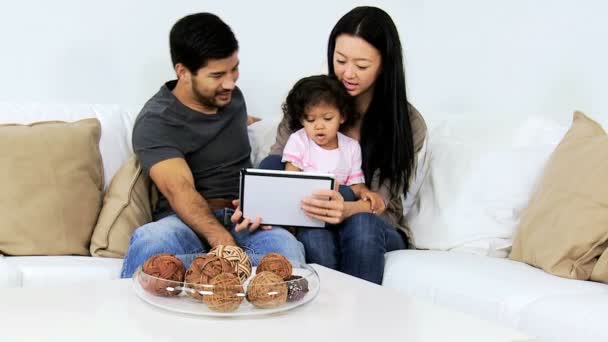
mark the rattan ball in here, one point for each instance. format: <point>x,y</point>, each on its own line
<point>227,293</point>
<point>238,258</point>
<point>164,272</point>
<point>202,270</point>
<point>297,287</point>
<point>275,263</point>
<point>267,290</point>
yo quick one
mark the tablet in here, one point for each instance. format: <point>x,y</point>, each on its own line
<point>276,196</point>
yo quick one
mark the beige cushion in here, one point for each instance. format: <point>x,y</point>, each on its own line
<point>600,270</point>
<point>564,229</point>
<point>126,206</point>
<point>51,186</point>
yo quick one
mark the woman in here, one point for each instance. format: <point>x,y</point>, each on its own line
<point>365,54</point>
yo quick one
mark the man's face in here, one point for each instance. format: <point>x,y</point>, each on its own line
<point>212,85</point>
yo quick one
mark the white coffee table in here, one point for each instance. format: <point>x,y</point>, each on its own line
<point>346,309</point>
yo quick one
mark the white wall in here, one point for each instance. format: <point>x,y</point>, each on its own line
<point>466,56</point>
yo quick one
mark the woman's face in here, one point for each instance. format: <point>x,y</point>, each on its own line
<point>356,64</point>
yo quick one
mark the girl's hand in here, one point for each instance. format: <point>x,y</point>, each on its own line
<point>246,223</point>
<point>376,201</point>
<point>325,205</point>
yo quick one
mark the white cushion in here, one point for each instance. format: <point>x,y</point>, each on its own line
<point>10,276</point>
<point>481,174</point>
<point>45,271</point>
<point>567,318</point>
<point>262,136</point>
<point>491,288</point>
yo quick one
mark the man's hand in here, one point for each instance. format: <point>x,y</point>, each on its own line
<point>376,201</point>
<point>252,119</point>
<point>246,223</point>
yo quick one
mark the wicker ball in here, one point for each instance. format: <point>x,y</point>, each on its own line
<point>297,288</point>
<point>164,274</point>
<point>202,270</point>
<point>275,263</point>
<point>227,293</point>
<point>238,258</point>
<point>267,290</point>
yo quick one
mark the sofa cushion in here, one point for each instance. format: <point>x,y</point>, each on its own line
<point>126,206</point>
<point>10,276</point>
<point>496,289</point>
<point>564,229</point>
<point>46,271</point>
<point>116,125</point>
<point>52,183</point>
<point>567,318</point>
<point>600,270</point>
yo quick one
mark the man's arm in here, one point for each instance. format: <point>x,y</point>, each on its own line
<point>174,180</point>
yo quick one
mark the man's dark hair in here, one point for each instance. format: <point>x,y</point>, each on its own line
<point>196,38</point>
<point>314,90</point>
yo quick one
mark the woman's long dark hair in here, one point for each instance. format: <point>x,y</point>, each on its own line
<point>387,142</point>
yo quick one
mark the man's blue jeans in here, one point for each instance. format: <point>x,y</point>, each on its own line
<point>356,246</point>
<point>172,235</point>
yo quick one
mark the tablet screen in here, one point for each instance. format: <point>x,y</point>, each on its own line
<point>276,196</point>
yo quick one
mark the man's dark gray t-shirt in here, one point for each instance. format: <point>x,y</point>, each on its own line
<point>216,147</point>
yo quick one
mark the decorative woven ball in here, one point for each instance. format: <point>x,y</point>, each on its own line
<point>227,293</point>
<point>275,263</point>
<point>237,257</point>
<point>166,273</point>
<point>202,270</point>
<point>297,287</point>
<point>267,290</point>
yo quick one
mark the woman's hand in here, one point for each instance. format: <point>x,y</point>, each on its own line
<point>325,205</point>
<point>246,223</point>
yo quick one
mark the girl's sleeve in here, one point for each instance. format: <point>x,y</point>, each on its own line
<point>356,174</point>
<point>294,151</point>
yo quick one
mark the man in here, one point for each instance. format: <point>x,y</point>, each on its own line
<point>191,138</point>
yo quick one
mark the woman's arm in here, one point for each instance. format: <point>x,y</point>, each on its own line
<point>421,171</point>
<point>283,133</point>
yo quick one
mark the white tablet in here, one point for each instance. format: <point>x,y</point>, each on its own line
<point>276,196</point>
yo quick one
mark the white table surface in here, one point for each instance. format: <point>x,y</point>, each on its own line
<point>347,309</point>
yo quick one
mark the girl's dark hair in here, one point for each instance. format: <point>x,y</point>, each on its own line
<point>387,143</point>
<point>313,90</point>
<point>196,38</point>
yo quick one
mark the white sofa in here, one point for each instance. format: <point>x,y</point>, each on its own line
<point>493,288</point>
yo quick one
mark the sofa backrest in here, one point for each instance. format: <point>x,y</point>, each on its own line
<point>116,128</point>
<point>116,124</point>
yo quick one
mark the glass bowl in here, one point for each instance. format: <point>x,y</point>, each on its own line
<point>228,299</point>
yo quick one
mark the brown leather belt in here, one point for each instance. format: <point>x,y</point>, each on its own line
<point>219,203</point>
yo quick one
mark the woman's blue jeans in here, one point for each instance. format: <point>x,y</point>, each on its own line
<point>356,246</point>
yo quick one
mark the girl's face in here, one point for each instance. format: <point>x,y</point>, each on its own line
<point>321,123</point>
<point>356,64</point>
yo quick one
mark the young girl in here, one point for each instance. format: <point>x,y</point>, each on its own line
<point>317,107</point>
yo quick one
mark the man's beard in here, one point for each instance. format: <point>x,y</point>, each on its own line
<point>207,101</point>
